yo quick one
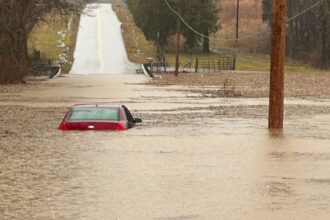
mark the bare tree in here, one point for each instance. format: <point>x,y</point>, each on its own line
<point>308,31</point>
<point>17,19</point>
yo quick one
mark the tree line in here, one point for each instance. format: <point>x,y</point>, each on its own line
<point>17,19</point>
<point>158,22</point>
<point>308,34</point>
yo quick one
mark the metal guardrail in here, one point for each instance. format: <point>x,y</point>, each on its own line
<point>147,71</point>
<point>52,71</point>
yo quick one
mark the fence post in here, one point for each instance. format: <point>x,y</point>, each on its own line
<point>196,65</point>
<point>164,61</point>
<point>234,63</point>
<point>214,65</point>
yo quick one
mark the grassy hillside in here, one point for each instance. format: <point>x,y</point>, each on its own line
<point>250,24</point>
<point>55,39</point>
<point>251,52</point>
<point>137,47</point>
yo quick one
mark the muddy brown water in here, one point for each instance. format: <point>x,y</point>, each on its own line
<point>185,162</point>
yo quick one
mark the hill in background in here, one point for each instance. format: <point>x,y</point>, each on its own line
<point>250,24</point>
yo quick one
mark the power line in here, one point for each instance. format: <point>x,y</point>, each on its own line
<point>241,38</point>
<point>204,36</point>
<point>183,21</point>
<point>306,10</point>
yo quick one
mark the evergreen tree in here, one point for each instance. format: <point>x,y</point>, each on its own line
<point>203,17</point>
<point>153,17</point>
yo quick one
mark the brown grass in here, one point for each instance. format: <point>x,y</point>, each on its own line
<point>249,10</point>
<point>137,47</point>
<point>250,23</point>
<point>249,51</point>
<point>250,84</point>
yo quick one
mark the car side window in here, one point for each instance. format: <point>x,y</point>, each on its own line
<point>128,114</point>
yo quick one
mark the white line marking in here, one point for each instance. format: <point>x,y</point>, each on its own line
<point>100,41</point>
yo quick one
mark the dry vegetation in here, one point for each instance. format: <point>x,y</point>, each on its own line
<point>249,56</point>
<point>250,84</point>
<point>250,23</point>
<point>137,47</point>
<point>252,50</point>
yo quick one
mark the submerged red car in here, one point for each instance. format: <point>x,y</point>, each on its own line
<point>98,117</point>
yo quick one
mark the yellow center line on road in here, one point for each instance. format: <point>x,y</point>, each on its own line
<point>100,41</point>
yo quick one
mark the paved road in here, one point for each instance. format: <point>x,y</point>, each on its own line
<point>185,162</point>
<point>100,48</point>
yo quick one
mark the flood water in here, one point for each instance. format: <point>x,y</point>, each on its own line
<point>180,164</point>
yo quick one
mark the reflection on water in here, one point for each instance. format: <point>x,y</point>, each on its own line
<point>233,169</point>
<point>179,164</point>
<point>276,133</point>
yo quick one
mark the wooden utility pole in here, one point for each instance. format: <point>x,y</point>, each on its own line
<point>237,22</point>
<point>276,98</point>
<point>178,28</point>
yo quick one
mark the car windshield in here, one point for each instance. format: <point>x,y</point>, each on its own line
<point>94,114</point>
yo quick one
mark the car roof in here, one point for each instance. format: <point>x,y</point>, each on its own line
<point>98,105</point>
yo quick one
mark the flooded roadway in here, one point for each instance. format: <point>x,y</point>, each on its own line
<point>193,158</point>
<point>184,162</point>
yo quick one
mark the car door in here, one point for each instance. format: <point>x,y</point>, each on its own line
<point>129,117</point>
